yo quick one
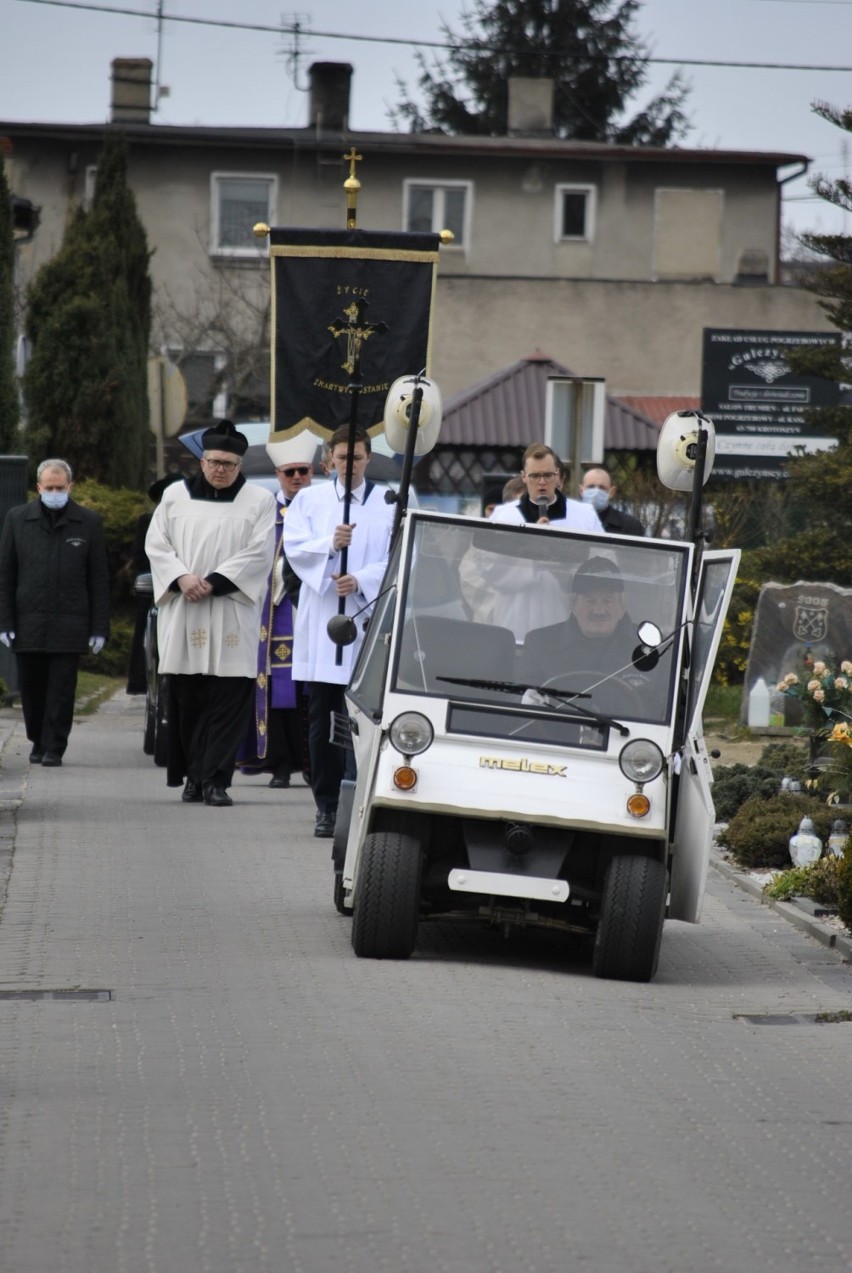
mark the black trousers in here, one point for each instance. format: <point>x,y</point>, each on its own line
<point>330,764</point>
<point>48,683</point>
<point>208,719</point>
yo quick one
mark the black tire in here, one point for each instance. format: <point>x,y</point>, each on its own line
<point>387,896</point>
<point>630,928</point>
<point>150,735</point>
<point>161,738</point>
<point>339,894</point>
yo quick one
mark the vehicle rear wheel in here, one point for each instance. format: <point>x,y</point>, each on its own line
<point>387,896</point>
<point>161,737</point>
<point>150,736</point>
<point>630,928</point>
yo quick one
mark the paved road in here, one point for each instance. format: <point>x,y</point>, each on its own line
<point>251,1097</point>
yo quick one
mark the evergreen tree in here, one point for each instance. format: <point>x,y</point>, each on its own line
<point>820,485</point>
<point>587,47</point>
<point>9,410</point>
<point>89,321</point>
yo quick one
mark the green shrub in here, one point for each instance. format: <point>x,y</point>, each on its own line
<point>758,835</point>
<point>819,880</point>
<point>844,886</point>
<point>120,510</point>
<point>786,757</point>
<point>734,784</point>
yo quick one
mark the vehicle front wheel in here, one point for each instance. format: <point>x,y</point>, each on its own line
<point>387,896</point>
<point>150,735</point>
<point>630,928</point>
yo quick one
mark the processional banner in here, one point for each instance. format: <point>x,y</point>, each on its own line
<point>348,307</point>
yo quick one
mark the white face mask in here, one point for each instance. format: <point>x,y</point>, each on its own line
<point>596,497</point>
<point>54,499</point>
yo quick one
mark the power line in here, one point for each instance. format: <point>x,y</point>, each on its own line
<point>441,45</point>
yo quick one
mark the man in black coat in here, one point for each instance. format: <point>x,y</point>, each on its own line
<point>54,603</point>
<point>597,489</point>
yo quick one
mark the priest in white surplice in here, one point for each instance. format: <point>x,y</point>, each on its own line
<point>314,534</point>
<point>210,545</point>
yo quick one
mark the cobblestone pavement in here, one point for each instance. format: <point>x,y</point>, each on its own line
<point>252,1097</point>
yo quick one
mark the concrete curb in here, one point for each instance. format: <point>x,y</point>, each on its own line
<point>793,914</point>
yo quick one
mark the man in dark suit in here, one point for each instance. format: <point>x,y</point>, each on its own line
<point>597,489</point>
<point>54,604</point>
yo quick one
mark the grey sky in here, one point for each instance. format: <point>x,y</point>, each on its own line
<point>55,67</point>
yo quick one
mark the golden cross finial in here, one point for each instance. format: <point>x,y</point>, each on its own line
<point>354,158</point>
<point>352,185</point>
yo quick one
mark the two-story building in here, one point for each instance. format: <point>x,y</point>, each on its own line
<point>610,259</point>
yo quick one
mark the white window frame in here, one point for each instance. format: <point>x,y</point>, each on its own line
<point>90,177</point>
<point>574,187</point>
<point>438,186</point>
<point>250,251</point>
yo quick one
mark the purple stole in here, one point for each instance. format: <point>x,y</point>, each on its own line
<point>275,687</point>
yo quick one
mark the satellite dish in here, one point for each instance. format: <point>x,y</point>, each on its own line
<point>677,449</point>
<point>398,414</point>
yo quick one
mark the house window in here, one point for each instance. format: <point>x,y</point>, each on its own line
<point>238,202</point>
<point>432,207</point>
<point>575,214</point>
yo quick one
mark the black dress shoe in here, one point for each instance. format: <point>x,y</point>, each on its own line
<point>36,756</point>
<point>216,797</point>
<point>192,793</point>
<point>50,760</point>
<point>324,827</point>
<point>279,780</point>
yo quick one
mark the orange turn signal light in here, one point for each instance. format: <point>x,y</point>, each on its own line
<point>638,805</point>
<point>405,778</point>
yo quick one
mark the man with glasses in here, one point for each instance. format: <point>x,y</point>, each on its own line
<point>210,546</point>
<point>543,502</point>
<point>521,596</point>
<point>314,534</point>
<point>273,743</point>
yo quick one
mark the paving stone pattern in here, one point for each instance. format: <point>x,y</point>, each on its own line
<point>254,1098</point>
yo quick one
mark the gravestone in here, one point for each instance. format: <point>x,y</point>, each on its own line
<point>796,625</point>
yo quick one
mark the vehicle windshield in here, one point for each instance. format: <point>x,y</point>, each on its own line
<point>539,620</point>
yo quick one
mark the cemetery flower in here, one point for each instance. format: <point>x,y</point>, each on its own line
<point>826,696</point>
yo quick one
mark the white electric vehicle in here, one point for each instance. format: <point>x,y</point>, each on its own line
<point>513,770</point>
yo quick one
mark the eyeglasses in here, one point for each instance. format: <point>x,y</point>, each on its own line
<point>302,470</point>
<point>227,466</point>
<point>541,477</point>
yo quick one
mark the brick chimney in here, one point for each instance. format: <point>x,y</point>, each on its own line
<point>530,107</point>
<point>329,97</point>
<point>131,90</point>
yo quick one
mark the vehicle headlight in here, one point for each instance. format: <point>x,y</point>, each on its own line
<point>641,761</point>
<point>411,733</point>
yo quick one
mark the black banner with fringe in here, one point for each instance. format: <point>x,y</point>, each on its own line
<point>348,306</point>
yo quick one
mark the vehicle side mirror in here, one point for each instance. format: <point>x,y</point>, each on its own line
<point>646,655</point>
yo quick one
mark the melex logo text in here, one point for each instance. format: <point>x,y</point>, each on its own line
<point>523,766</point>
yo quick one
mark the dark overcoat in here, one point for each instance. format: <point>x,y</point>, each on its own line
<point>54,578</point>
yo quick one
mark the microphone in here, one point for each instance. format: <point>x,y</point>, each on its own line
<point>542,505</point>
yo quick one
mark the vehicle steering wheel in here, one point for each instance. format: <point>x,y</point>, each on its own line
<point>603,698</point>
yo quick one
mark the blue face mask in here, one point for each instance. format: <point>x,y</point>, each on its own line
<point>54,499</point>
<point>596,497</point>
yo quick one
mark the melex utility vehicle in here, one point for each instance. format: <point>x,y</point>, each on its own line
<point>526,715</point>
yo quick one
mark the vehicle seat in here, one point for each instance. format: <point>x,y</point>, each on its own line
<point>433,646</point>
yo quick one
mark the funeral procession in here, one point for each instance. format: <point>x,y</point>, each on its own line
<point>418,810</point>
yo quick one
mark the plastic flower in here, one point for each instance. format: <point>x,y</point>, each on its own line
<point>813,686</point>
<point>819,668</point>
<point>846,667</point>
<point>819,696</point>
<point>792,679</point>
